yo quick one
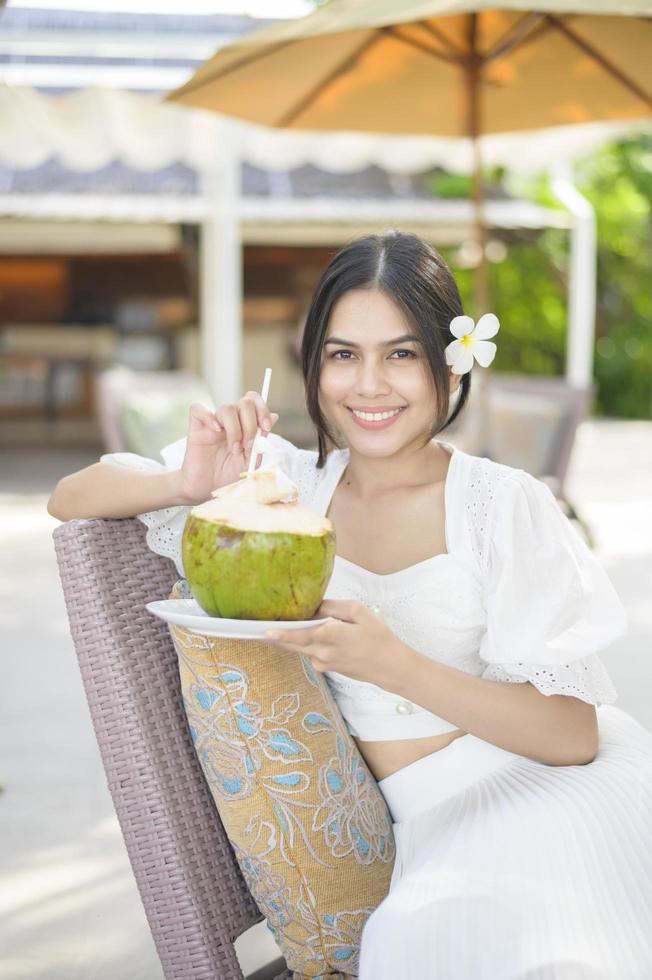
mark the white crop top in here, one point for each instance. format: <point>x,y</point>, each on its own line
<point>517,597</point>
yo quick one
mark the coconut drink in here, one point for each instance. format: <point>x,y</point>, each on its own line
<point>255,552</point>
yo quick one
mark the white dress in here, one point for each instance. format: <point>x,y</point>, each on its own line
<point>506,868</point>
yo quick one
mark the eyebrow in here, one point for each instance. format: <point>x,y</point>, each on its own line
<point>383,343</point>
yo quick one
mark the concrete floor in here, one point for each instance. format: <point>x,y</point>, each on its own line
<point>70,909</point>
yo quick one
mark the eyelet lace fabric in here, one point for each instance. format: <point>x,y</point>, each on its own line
<point>484,480</point>
<point>586,679</point>
<point>165,526</point>
<point>165,532</point>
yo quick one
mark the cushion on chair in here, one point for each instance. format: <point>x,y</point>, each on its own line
<point>304,815</point>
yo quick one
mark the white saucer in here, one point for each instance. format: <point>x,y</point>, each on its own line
<point>188,613</point>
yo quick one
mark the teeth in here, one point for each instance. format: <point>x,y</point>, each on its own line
<point>376,416</point>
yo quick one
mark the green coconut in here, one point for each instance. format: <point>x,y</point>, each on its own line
<point>255,552</point>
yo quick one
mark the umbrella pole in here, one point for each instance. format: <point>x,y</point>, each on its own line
<point>481,278</point>
<point>473,82</point>
<point>481,426</point>
<point>481,302</point>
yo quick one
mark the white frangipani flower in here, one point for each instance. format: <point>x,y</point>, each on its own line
<point>472,342</point>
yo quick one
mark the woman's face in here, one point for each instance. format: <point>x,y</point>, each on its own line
<point>378,369</point>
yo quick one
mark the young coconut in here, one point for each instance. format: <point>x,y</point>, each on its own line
<point>255,552</point>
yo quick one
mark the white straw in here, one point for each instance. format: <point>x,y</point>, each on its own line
<point>264,393</point>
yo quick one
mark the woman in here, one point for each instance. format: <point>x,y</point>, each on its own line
<point>466,616</point>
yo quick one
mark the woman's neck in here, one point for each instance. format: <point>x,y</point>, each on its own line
<point>370,477</point>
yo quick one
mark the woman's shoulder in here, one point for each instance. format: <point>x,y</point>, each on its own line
<point>491,492</point>
<point>483,478</point>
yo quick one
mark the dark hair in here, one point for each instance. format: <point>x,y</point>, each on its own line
<point>412,274</point>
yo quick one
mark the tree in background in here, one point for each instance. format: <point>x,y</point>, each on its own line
<point>529,284</point>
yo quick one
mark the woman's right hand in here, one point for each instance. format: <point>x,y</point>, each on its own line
<point>219,445</point>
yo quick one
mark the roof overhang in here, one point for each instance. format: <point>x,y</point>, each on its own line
<point>27,218</point>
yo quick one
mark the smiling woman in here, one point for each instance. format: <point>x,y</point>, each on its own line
<point>462,649</point>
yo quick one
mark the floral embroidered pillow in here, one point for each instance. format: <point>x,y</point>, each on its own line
<point>309,827</point>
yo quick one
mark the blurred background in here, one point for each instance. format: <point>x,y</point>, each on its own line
<point>153,254</point>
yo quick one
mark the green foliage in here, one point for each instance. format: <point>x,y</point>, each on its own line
<point>443,184</point>
<point>529,288</point>
<point>532,306</point>
<point>618,183</point>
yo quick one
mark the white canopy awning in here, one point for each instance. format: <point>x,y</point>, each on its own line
<point>89,128</point>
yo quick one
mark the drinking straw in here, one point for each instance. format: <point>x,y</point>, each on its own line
<point>264,393</point>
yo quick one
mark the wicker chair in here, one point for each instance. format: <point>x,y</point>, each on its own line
<point>196,900</point>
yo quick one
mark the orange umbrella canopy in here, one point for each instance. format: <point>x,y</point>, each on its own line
<point>442,68</point>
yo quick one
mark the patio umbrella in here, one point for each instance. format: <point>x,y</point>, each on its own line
<point>441,67</point>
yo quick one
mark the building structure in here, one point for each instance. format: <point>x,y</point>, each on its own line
<point>233,223</point>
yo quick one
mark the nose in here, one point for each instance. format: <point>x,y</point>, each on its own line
<point>370,380</point>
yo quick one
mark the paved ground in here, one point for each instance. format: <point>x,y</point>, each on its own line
<point>70,909</point>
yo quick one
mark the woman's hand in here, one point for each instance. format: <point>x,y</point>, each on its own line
<point>219,444</point>
<point>356,643</point>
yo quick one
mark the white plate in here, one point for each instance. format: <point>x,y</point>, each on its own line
<point>188,613</point>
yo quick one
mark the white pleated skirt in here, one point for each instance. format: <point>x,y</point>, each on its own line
<point>509,869</point>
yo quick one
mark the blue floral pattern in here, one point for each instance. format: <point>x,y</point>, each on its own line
<point>316,806</point>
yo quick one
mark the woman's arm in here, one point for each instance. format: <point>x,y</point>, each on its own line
<point>557,730</point>
<point>110,490</point>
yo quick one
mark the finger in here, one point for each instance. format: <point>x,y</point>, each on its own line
<point>248,420</point>
<point>264,418</point>
<point>347,609</point>
<point>300,638</point>
<point>288,647</point>
<point>230,421</point>
<point>200,416</point>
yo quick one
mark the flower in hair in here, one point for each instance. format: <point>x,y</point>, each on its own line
<point>472,342</point>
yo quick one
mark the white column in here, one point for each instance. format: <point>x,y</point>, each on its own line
<point>580,335</point>
<point>220,268</point>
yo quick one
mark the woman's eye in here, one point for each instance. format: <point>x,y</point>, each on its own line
<point>398,351</point>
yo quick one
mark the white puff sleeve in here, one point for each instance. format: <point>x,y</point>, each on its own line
<point>164,527</point>
<point>550,604</point>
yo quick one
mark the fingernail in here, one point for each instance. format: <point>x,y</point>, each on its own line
<point>273,634</point>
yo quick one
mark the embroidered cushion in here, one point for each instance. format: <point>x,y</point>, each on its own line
<point>309,827</point>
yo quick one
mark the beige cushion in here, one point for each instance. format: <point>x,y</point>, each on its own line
<point>308,824</point>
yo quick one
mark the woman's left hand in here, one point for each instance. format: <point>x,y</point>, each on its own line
<point>356,643</point>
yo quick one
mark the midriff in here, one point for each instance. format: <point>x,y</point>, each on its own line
<point>386,758</point>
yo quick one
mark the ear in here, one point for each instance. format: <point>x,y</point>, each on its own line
<point>454,381</point>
